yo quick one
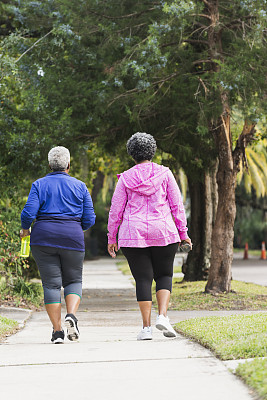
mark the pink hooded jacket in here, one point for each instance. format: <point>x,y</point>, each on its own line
<point>148,207</point>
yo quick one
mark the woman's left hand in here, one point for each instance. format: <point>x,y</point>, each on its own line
<point>112,248</point>
<point>24,232</point>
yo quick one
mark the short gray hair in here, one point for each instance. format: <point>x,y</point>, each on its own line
<point>141,146</point>
<point>59,158</point>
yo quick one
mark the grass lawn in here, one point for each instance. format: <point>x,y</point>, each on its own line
<point>7,326</point>
<point>254,373</point>
<point>231,337</point>
<point>250,252</point>
<point>191,296</point>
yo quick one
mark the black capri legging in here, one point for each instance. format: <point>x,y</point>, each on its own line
<point>148,263</point>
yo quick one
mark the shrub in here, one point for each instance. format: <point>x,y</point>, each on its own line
<point>14,269</point>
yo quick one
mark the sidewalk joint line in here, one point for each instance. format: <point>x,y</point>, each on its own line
<point>103,361</point>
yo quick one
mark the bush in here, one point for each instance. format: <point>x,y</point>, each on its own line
<point>11,263</point>
<point>14,269</point>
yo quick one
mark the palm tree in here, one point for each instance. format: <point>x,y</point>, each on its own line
<point>255,176</point>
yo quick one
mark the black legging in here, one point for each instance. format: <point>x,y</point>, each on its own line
<point>150,263</point>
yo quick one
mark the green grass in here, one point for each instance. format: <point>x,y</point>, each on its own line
<point>250,252</point>
<point>232,337</point>
<point>254,373</point>
<point>7,326</point>
<point>124,267</point>
<point>191,296</point>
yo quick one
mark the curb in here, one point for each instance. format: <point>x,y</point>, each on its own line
<point>21,315</point>
<point>233,364</point>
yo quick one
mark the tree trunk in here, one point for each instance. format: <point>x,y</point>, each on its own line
<point>97,185</point>
<point>223,231</point>
<point>194,269</point>
<point>202,213</point>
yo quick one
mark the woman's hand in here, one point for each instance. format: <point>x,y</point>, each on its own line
<point>188,240</point>
<point>185,248</point>
<point>112,248</point>
<point>24,232</point>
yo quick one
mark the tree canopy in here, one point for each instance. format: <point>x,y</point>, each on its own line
<point>88,74</point>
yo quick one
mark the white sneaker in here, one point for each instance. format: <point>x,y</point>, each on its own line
<point>163,324</point>
<point>145,333</point>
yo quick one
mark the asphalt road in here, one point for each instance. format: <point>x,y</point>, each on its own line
<point>252,270</point>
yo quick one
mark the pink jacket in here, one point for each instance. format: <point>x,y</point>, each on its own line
<point>148,207</point>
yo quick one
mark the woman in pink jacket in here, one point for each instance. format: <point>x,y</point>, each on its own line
<point>148,208</point>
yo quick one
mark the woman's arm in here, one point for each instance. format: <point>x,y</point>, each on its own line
<point>88,216</point>
<point>30,209</point>
<point>177,207</point>
<point>118,204</point>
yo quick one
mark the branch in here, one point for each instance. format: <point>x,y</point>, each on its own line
<point>204,86</point>
<point>201,15</point>
<point>136,14</point>
<point>206,2</point>
<point>169,44</point>
<point>135,90</point>
<point>200,24</point>
<point>135,48</point>
<point>239,21</point>
<point>131,27</point>
<point>196,41</point>
<point>203,61</point>
<point>34,44</point>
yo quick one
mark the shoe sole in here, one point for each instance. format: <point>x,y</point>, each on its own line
<point>147,338</point>
<point>58,341</point>
<point>72,333</point>
<point>166,332</point>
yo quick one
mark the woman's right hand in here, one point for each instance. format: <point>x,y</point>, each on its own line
<point>24,232</point>
<point>188,240</point>
<point>112,248</point>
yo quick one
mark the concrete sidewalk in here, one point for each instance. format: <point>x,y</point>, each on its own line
<point>108,362</point>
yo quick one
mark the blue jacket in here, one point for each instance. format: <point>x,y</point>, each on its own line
<point>62,207</point>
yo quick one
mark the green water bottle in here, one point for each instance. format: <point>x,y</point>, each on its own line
<point>25,247</point>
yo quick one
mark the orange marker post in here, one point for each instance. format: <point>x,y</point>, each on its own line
<point>263,251</point>
<point>246,252</point>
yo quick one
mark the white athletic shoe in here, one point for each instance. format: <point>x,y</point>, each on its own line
<point>71,323</point>
<point>145,333</point>
<point>163,324</point>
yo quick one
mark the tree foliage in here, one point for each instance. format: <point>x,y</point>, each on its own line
<point>87,74</point>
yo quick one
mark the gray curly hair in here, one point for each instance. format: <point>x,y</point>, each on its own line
<point>141,146</point>
<point>59,158</point>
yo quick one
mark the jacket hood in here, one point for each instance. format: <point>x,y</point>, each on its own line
<point>144,178</point>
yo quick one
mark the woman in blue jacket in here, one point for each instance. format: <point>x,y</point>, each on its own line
<point>62,208</point>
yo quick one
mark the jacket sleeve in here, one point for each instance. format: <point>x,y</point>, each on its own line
<point>31,208</point>
<point>118,204</point>
<point>88,216</point>
<point>176,205</point>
